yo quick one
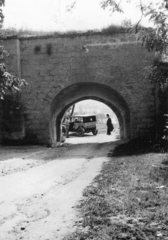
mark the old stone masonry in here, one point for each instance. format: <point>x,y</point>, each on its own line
<point>64,69</point>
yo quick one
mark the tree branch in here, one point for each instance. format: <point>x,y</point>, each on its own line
<point>135,29</point>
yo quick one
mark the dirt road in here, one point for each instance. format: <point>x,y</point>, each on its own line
<point>39,188</point>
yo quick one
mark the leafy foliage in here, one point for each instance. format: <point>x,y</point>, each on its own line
<point>156,39</point>
<point>153,39</point>
<point>2,3</point>
<point>158,72</point>
<point>113,29</point>
<point>8,82</point>
<point>114,6</point>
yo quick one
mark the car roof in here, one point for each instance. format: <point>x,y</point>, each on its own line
<point>84,115</point>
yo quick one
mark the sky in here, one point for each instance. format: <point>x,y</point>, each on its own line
<point>95,107</point>
<point>51,15</point>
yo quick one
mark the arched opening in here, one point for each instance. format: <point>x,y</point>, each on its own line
<point>83,91</point>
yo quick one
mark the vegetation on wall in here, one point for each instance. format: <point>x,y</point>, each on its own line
<point>158,73</point>
<point>154,39</point>
<point>10,85</point>
<point>8,82</point>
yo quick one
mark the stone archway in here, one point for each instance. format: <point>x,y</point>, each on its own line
<point>82,91</point>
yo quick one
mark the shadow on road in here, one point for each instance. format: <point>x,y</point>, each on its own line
<point>68,151</point>
<point>135,147</point>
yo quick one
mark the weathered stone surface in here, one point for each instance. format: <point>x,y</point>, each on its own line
<point>59,67</point>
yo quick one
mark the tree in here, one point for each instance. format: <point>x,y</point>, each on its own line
<point>155,38</point>
<point>8,82</point>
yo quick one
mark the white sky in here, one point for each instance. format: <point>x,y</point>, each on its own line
<point>50,15</point>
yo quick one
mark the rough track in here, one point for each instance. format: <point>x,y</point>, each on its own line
<point>39,188</point>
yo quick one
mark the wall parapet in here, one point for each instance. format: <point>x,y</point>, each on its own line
<point>71,35</point>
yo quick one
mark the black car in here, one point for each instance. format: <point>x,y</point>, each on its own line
<point>83,124</point>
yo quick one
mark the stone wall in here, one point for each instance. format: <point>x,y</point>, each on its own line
<point>51,65</point>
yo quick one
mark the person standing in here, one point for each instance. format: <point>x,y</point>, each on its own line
<point>109,125</point>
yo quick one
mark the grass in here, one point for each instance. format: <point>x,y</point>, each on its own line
<point>114,29</point>
<point>12,32</point>
<point>127,200</point>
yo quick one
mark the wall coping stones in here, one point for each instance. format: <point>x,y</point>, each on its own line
<point>72,34</point>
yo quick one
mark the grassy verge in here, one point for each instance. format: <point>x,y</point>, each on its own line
<point>127,200</point>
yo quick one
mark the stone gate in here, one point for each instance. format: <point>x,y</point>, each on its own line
<point>64,69</point>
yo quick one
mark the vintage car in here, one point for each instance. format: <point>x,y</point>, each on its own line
<point>83,124</point>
